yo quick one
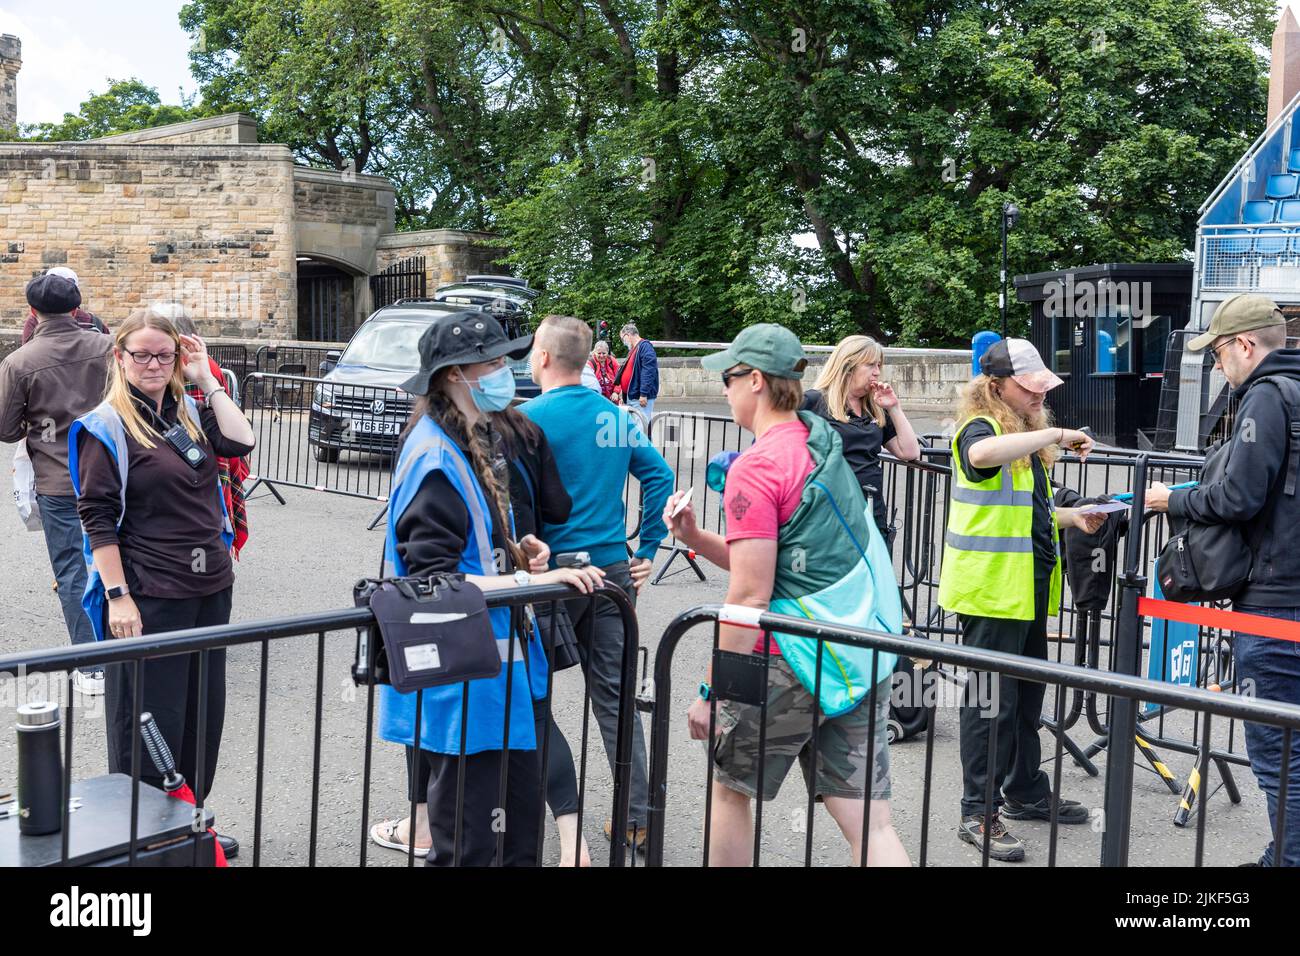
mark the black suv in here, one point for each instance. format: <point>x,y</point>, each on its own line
<point>510,301</point>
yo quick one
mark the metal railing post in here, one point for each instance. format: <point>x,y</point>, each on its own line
<point>1118,804</point>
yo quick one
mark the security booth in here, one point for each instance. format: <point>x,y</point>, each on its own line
<point>1106,330</point>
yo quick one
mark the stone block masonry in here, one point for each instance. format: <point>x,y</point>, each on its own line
<point>209,225</point>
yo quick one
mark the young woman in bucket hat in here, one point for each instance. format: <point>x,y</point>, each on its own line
<point>450,512</point>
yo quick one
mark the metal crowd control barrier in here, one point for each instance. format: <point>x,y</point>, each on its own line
<point>1124,689</point>
<point>87,837</point>
<point>687,440</point>
<point>323,436</point>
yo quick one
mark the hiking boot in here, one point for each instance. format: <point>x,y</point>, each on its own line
<point>1002,845</point>
<point>1069,811</point>
<point>635,837</point>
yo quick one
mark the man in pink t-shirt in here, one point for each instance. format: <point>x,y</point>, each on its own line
<point>760,377</point>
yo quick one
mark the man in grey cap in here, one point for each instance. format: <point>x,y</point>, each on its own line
<point>44,386</point>
<point>1248,338</point>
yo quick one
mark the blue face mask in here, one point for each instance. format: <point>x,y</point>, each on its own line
<point>494,391</point>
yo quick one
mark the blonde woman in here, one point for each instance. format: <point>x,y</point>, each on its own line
<point>157,538</point>
<point>867,415</point>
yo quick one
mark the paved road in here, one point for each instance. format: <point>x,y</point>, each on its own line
<point>305,556</point>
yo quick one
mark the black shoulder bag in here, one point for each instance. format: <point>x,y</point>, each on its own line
<point>432,631</point>
<point>1214,562</point>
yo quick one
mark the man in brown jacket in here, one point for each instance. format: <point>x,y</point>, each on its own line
<point>44,386</point>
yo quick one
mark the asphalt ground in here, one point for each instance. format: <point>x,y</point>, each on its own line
<point>305,556</point>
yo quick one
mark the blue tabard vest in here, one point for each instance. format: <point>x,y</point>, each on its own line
<point>104,423</point>
<point>429,449</point>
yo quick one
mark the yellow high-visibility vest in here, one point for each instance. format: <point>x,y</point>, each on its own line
<point>988,554</point>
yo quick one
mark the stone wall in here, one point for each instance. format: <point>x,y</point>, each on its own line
<point>11,61</point>
<point>228,130</point>
<point>449,254</point>
<point>925,379</point>
<point>210,226</point>
<point>340,216</point>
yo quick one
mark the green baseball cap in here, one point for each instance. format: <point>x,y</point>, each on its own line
<point>1239,313</point>
<point>772,349</point>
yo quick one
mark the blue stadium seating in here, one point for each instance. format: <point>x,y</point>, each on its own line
<point>1258,212</point>
<point>1282,186</point>
<point>1288,210</point>
<point>1293,162</point>
<point>1272,241</point>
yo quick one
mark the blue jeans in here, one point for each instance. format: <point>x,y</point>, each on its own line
<point>63,541</point>
<point>1273,668</point>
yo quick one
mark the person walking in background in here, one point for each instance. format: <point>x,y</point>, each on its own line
<point>638,378</point>
<point>597,445</point>
<point>867,415</point>
<point>44,386</point>
<point>604,370</point>
<point>87,320</point>
<point>231,471</point>
<point>157,536</point>
<point>1001,575</point>
<point>1247,336</point>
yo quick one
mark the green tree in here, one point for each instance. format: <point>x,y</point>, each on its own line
<point>126,106</point>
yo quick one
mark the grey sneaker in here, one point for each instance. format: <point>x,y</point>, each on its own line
<point>1068,811</point>
<point>1002,845</point>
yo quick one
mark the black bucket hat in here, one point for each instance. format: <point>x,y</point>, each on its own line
<point>462,338</point>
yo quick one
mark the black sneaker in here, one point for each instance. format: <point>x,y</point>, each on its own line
<point>1069,811</point>
<point>1002,845</point>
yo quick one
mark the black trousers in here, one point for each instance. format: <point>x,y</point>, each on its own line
<point>1016,771</point>
<point>561,778</point>
<point>171,693</point>
<point>486,815</point>
<point>602,665</point>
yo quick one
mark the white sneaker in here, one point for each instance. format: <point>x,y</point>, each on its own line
<point>90,683</point>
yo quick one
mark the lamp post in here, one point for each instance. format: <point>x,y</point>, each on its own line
<point>1010,214</point>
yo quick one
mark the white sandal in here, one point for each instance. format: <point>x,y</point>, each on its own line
<point>385,834</point>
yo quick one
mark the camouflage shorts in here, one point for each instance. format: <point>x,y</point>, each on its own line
<point>841,742</point>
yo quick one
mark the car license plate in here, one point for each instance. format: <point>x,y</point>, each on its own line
<point>361,426</point>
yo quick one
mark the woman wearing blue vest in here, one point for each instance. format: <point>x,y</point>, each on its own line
<point>449,512</point>
<point>157,538</point>
<point>1002,577</point>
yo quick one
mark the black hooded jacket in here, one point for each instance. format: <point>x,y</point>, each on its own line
<point>1251,491</point>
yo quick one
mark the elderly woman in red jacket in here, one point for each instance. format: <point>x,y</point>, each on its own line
<point>605,368</point>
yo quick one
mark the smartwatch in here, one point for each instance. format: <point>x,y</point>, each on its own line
<point>523,578</point>
<point>114,593</point>
<point>705,690</point>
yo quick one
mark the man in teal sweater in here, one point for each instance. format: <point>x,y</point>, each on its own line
<point>596,445</point>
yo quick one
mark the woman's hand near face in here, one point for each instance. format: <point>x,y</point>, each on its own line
<point>194,358</point>
<point>884,395</point>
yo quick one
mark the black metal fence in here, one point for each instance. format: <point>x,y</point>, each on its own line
<point>117,819</point>
<point>1125,690</point>
<point>402,280</point>
<point>323,436</point>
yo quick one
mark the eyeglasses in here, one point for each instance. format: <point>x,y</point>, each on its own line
<point>1214,349</point>
<point>734,373</point>
<point>144,358</point>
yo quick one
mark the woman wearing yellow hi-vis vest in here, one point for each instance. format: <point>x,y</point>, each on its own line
<point>1002,576</point>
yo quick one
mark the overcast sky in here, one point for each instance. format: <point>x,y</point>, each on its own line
<point>72,47</point>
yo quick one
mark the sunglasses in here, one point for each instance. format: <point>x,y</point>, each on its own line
<point>734,373</point>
